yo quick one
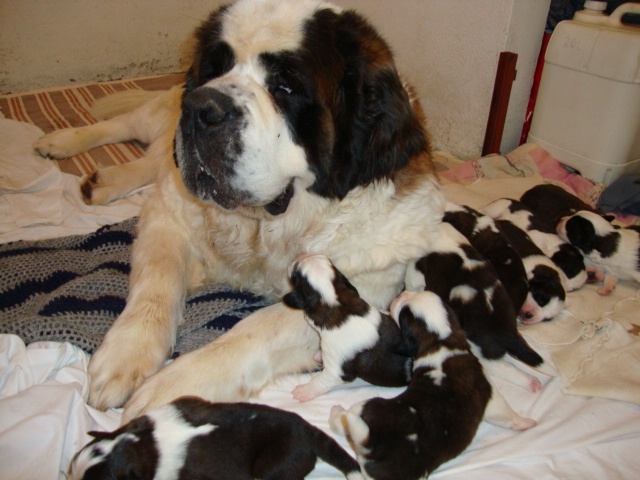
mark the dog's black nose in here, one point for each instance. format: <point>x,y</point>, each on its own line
<point>208,107</point>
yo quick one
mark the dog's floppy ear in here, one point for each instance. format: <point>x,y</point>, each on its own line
<point>377,131</point>
<point>212,57</point>
<point>294,299</point>
<point>581,233</point>
<point>303,296</point>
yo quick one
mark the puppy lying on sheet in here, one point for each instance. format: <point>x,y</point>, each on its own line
<point>617,250</point>
<point>469,284</point>
<point>437,416</point>
<point>356,339</point>
<point>192,438</point>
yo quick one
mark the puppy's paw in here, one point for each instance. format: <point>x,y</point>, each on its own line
<point>535,385</point>
<point>519,423</point>
<point>61,143</point>
<point>605,290</point>
<point>304,393</point>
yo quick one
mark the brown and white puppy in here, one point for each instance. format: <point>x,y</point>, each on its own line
<point>550,203</point>
<point>483,234</point>
<point>567,257</point>
<point>436,418</point>
<point>615,249</point>
<point>469,284</point>
<point>192,438</point>
<point>547,283</point>
<point>356,340</point>
<point>294,132</point>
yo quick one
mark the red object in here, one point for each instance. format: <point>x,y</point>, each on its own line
<point>534,89</point>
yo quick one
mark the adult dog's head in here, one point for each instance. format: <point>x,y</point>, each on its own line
<point>292,94</point>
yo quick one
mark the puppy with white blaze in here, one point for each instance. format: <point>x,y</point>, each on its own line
<point>469,284</point>
<point>356,340</point>
<point>293,132</point>
<point>191,438</point>
<point>437,416</point>
<point>615,249</point>
<point>547,283</point>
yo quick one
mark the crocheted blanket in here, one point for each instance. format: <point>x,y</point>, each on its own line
<point>73,288</point>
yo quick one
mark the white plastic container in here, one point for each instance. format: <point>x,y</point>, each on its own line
<point>587,113</point>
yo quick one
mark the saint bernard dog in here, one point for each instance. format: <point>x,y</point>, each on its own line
<point>292,133</point>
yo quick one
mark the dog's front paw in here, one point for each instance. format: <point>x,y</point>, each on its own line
<point>60,144</point>
<point>114,376</point>
<point>120,365</point>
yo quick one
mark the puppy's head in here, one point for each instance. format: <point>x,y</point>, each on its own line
<point>546,295</point>
<point>427,308</point>
<point>129,452</point>
<point>285,95</point>
<point>321,290</point>
<point>586,231</point>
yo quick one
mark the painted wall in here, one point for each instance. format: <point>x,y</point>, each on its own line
<point>448,48</point>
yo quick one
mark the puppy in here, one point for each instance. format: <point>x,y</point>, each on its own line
<point>356,340</point>
<point>486,238</point>
<point>437,416</point>
<point>192,438</point>
<point>616,249</point>
<point>567,257</point>
<point>550,203</point>
<point>547,283</point>
<point>468,283</point>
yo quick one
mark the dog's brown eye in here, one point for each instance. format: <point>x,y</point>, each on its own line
<point>284,87</point>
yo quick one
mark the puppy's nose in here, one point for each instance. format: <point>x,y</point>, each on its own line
<point>208,107</point>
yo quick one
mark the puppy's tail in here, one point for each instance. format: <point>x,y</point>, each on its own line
<point>518,347</point>
<point>328,450</point>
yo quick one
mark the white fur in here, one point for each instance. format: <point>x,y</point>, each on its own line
<point>172,435</point>
<point>435,361</point>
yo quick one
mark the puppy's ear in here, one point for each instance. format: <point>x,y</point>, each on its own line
<point>294,299</point>
<point>581,233</point>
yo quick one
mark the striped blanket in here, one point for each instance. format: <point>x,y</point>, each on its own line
<point>57,108</point>
<point>73,288</point>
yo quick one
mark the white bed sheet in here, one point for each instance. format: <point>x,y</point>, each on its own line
<point>44,416</point>
<point>44,419</point>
